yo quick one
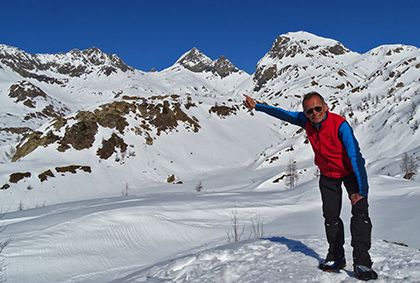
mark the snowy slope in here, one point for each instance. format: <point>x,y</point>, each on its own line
<point>160,235</point>
<point>99,204</point>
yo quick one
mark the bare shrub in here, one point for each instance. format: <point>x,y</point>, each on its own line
<point>237,231</point>
<point>257,227</point>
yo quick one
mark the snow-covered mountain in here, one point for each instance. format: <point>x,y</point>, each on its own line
<point>84,127</point>
<point>86,101</point>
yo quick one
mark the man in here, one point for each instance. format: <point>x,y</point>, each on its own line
<point>337,155</point>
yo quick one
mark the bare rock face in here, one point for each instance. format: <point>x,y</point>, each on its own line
<point>80,136</point>
<point>155,115</point>
<point>24,91</point>
<point>30,95</point>
<point>223,67</point>
<point>34,140</point>
<point>109,146</point>
<point>195,61</point>
<point>16,177</point>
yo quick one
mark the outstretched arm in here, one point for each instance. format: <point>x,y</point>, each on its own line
<point>296,118</point>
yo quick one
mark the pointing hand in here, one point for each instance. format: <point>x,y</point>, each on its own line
<point>249,102</point>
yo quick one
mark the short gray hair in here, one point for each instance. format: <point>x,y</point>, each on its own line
<point>310,95</point>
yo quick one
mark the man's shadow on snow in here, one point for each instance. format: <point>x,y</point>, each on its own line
<point>296,246</point>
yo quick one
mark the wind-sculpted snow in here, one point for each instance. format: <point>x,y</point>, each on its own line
<point>173,234</point>
<point>277,259</point>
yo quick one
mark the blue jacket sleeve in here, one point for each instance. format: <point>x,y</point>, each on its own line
<point>346,135</point>
<point>296,118</point>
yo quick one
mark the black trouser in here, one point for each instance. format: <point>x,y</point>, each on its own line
<point>360,225</point>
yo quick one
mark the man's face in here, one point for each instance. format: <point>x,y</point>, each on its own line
<point>314,109</point>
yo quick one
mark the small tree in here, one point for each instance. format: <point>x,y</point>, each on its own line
<point>199,187</point>
<point>124,192</point>
<point>292,175</point>
<point>20,206</point>
<point>408,165</point>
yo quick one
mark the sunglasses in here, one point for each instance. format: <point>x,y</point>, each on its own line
<point>317,109</point>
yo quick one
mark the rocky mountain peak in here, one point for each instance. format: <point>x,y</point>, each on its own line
<point>197,62</point>
<point>294,51</point>
<point>224,67</point>
<point>74,63</point>
<point>305,44</point>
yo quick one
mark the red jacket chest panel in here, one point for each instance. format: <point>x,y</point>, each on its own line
<point>330,154</point>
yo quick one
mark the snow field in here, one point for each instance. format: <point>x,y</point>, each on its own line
<point>181,236</point>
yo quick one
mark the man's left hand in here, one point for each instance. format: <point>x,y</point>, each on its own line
<point>354,198</point>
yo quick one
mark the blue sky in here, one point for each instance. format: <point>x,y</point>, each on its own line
<point>155,33</point>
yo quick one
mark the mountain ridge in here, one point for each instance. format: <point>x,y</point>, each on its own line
<point>26,64</point>
<point>113,123</point>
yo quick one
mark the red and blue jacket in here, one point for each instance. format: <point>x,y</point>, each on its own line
<point>337,152</point>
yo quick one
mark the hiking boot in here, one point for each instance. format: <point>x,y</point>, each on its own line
<point>363,272</point>
<point>332,265</point>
